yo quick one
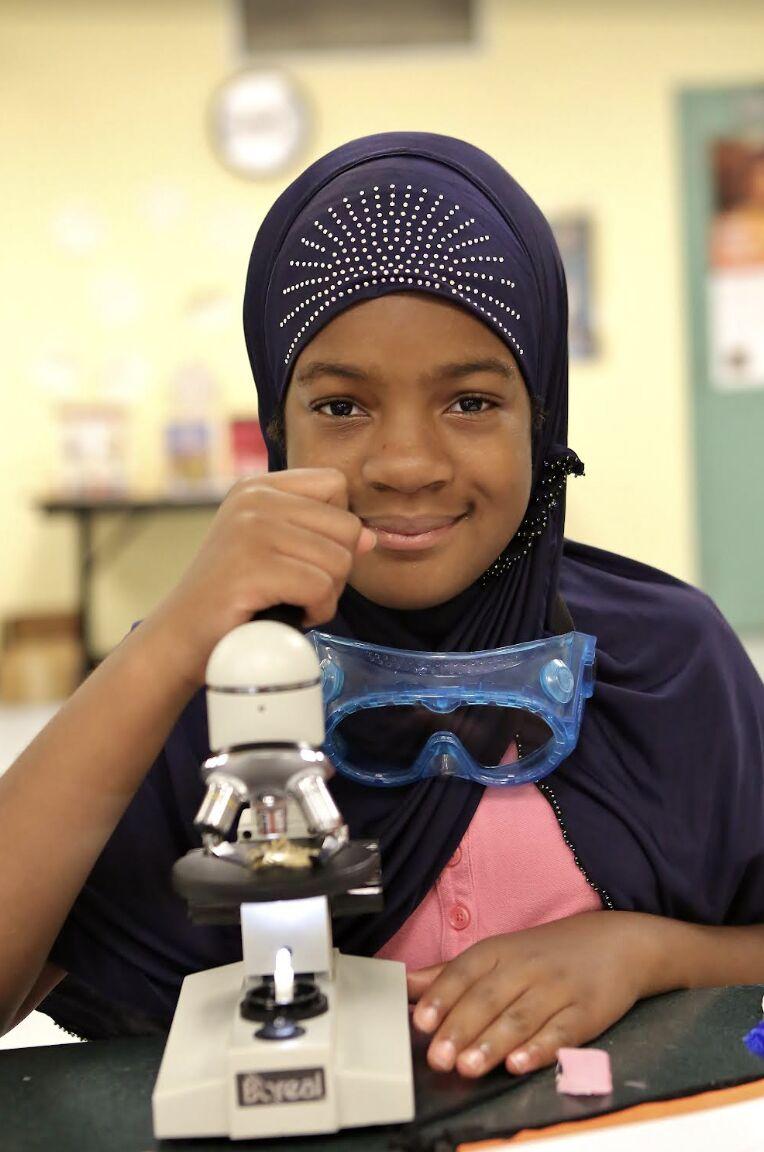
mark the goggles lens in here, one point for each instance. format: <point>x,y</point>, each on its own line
<point>389,739</point>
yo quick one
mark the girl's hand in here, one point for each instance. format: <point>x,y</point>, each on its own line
<point>520,997</point>
<point>283,537</point>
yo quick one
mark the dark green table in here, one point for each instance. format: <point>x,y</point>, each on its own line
<point>96,1097</point>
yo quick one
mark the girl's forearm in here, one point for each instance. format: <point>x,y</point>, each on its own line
<point>62,798</point>
<point>682,955</point>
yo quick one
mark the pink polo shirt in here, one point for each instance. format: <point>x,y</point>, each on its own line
<point>512,870</point>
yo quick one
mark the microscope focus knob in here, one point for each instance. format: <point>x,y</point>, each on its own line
<point>263,687</point>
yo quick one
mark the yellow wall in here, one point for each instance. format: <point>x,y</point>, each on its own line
<point>104,101</point>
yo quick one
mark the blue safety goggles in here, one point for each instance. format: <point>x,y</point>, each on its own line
<point>506,716</point>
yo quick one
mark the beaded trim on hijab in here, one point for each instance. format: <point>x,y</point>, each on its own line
<point>554,474</point>
<point>413,237</point>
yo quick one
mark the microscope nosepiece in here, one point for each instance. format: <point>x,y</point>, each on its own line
<point>223,800</point>
<point>316,802</point>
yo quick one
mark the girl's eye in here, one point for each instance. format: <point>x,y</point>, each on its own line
<point>334,405</point>
<point>340,408</point>
<point>472,401</point>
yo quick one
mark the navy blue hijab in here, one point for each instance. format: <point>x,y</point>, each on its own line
<point>662,800</point>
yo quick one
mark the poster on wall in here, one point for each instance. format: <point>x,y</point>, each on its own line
<point>735,281</point>
<point>573,236</point>
<point>722,217</point>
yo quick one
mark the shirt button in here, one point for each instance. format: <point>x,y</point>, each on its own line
<point>459,917</point>
<point>455,858</point>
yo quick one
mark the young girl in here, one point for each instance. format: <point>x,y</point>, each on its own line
<point>406,321</point>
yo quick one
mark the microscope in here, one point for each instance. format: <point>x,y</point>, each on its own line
<point>296,1038</point>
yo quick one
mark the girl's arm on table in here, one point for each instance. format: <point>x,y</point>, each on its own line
<point>64,795</point>
<point>287,537</point>
<point>518,998</point>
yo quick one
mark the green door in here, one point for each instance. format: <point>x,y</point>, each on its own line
<point>723,217</point>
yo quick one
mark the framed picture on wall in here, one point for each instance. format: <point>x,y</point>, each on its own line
<point>573,234</point>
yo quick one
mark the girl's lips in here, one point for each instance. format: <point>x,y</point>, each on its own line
<point>397,542</point>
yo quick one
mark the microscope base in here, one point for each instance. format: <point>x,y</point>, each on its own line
<point>351,1067</point>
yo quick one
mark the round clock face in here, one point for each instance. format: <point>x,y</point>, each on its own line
<point>258,122</point>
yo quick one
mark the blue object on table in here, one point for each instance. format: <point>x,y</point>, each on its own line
<point>754,1040</point>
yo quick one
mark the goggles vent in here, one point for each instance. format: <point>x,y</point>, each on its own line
<point>332,678</point>
<point>558,681</point>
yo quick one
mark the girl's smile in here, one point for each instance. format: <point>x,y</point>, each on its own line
<point>399,534</point>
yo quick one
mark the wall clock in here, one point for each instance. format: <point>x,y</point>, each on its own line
<point>259,122</point>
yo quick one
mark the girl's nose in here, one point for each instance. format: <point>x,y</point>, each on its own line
<point>407,457</point>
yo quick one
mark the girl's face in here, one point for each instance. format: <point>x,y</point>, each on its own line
<point>426,413</point>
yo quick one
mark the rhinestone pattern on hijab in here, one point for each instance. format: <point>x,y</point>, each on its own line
<point>398,235</point>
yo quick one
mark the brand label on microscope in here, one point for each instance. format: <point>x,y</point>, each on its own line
<point>298,1086</point>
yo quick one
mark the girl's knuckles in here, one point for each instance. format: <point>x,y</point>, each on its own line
<point>489,997</point>
<point>323,584</point>
<point>557,991</point>
<point>476,961</point>
<point>542,969</point>
<point>450,985</point>
<point>514,1021</point>
<point>235,492</point>
<point>343,562</point>
<point>249,495</point>
<point>479,954</point>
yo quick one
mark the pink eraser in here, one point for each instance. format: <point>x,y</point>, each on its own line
<point>584,1072</point>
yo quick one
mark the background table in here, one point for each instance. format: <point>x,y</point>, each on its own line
<point>97,1096</point>
<point>131,513</point>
